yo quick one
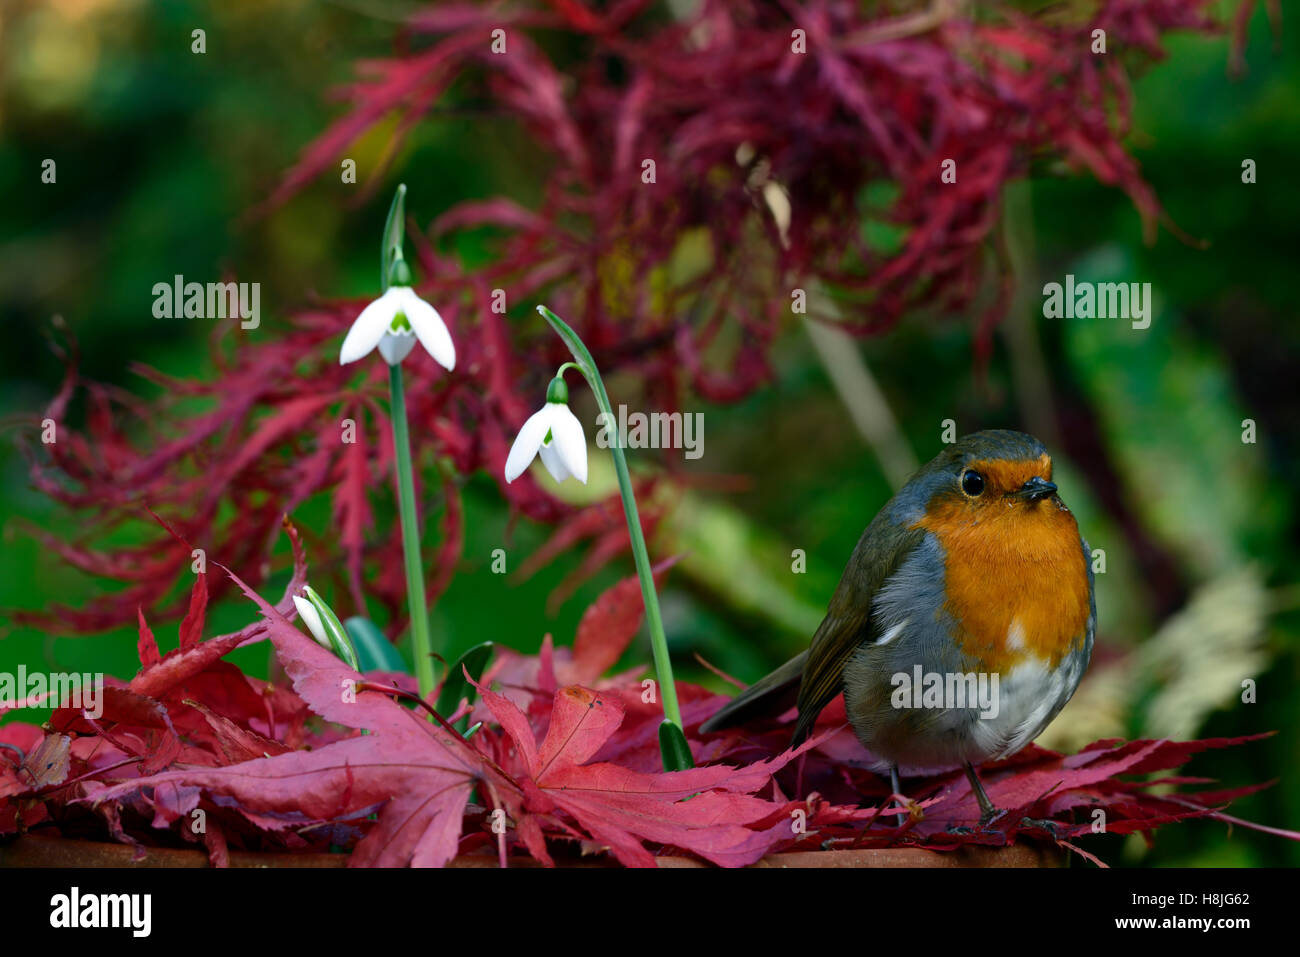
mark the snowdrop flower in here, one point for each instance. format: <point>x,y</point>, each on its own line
<point>394,321</point>
<point>555,433</point>
<point>311,618</point>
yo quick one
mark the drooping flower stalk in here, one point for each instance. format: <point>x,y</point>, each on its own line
<point>673,747</point>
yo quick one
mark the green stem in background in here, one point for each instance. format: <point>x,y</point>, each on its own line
<point>423,648</point>
<point>672,743</point>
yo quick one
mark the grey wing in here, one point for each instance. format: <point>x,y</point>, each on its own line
<point>850,622</point>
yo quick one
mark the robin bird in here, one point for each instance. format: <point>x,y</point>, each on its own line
<point>974,576</point>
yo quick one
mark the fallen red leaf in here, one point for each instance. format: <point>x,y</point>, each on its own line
<point>709,811</point>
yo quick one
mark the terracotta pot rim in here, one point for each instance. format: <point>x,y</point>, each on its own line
<point>32,850</point>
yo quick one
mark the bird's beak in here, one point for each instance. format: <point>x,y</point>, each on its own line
<point>1036,488</point>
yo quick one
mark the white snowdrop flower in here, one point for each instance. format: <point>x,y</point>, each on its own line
<point>554,433</point>
<point>394,322</point>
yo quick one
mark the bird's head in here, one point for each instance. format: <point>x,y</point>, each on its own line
<point>993,471</point>
<point>994,491</point>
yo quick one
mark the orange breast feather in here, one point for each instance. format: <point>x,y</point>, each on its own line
<point>1017,582</point>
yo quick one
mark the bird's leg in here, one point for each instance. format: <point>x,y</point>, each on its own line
<point>988,813</point>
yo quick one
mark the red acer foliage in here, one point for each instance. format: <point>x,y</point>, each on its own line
<point>847,111</point>
<point>558,768</point>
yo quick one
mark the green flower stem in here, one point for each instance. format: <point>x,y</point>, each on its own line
<point>658,642</point>
<point>644,570</point>
<point>419,610</point>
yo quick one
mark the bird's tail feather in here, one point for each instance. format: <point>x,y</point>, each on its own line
<point>767,697</point>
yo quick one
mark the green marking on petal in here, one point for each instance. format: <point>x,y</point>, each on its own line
<point>399,323</point>
<point>547,440</point>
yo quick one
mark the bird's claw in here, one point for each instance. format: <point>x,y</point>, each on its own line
<point>989,817</point>
<point>1043,824</point>
<point>986,822</point>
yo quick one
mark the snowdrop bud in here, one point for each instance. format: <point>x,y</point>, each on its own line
<point>311,618</point>
<point>335,636</point>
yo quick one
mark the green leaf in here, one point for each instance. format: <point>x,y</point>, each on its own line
<point>672,745</point>
<point>374,651</point>
<point>394,237</point>
<point>456,687</point>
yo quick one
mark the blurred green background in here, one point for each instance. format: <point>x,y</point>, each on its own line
<point>161,153</point>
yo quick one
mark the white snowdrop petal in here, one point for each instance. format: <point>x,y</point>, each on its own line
<point>554,464</point>
<point>395,347</point>
<point>311,618</point>
<point>570,442</point>
<point>430,328</point>
<point>527,443</point>
<point>369,328</point>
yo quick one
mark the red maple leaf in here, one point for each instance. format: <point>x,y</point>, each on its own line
<point>710,811</point>
<point>418,776</point>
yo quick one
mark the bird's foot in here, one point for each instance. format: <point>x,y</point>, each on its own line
<point>989,814</point>
<point>1043,824</point>
<point>988,818</point>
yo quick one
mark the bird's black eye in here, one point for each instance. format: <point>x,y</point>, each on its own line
<point>972,483</point>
